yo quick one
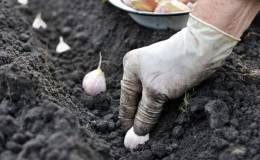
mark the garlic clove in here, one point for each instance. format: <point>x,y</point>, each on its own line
<point>144,5</point>
<point>190,5</point>
<point>127,2</point>
<point>184,1</point>
<point>38,22</point>
<point>23,2</point>
<point>132,140</point>
<point>171,6</point>
<point>94,82</point>
<point>62,46</point>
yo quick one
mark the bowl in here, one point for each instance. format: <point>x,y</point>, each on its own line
<point>175,20</point>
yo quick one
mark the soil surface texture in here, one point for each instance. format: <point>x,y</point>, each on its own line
<point>45,115</point>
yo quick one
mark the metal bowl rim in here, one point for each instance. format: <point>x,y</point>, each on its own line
<point>119,4</point>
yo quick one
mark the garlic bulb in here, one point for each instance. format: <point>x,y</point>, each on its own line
<point>38,22</point>
<point>23,2</point>
<point>62,46</point>
<point>94,82</point>
<point>132,140</point>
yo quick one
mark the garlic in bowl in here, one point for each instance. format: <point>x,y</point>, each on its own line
<point>156,20</point>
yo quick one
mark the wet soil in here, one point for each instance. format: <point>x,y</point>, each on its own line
<point>45,115</point>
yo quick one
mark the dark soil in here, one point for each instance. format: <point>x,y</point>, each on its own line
<point>45,115</point>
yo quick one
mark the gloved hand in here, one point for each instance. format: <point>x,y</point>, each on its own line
<point>166,70</point>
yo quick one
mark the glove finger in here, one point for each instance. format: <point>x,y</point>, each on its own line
<point>149,111</point>
<point>130,97</point>
<point>130,93</point>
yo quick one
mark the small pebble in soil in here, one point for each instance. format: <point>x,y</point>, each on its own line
<point>197,111</point>
<point>101,102</point>
<point>9,125</point>
<point>243,139</point>
<point>234,122</point>
<point>159,149</point>
<point>7,155</point>
<point>66,31</point>
<point>19,138</point>
<point>24,37</point>
<point>111,125</point>
<point>2,138</point>
<point>218,143</point>
<point>218,113</point>
<point>118,123</point>
<point>14,147</point>
<point>102,126</point>
<point>240,151</point>
<point>230,133</point>
<point>113,135</point>
<point>26,47</point>
<point>175,145</point>
<point>181,119</point>
<point>178,131</point>
<point>82,36</point>
<point>147,155</point>
<point>118,142</point>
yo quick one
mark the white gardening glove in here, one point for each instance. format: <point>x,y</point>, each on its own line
<point>166,70</point>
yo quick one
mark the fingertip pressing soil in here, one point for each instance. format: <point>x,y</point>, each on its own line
<point>45,115</point>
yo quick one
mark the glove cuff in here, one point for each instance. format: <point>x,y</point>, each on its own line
<point>210,44</point>
<point>213,27</point>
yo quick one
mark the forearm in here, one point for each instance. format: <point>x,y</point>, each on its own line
<point>230,16</point>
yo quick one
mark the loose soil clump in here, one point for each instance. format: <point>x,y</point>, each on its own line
<point>44,113</point>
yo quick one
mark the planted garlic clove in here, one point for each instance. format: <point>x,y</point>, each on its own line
<point>23,2</point>
<point>171,6</point>
<point>132,140</point>
<point>144,5</point>
<point>38,22</point>
<point>62,46</point>
<point>94,82</point>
